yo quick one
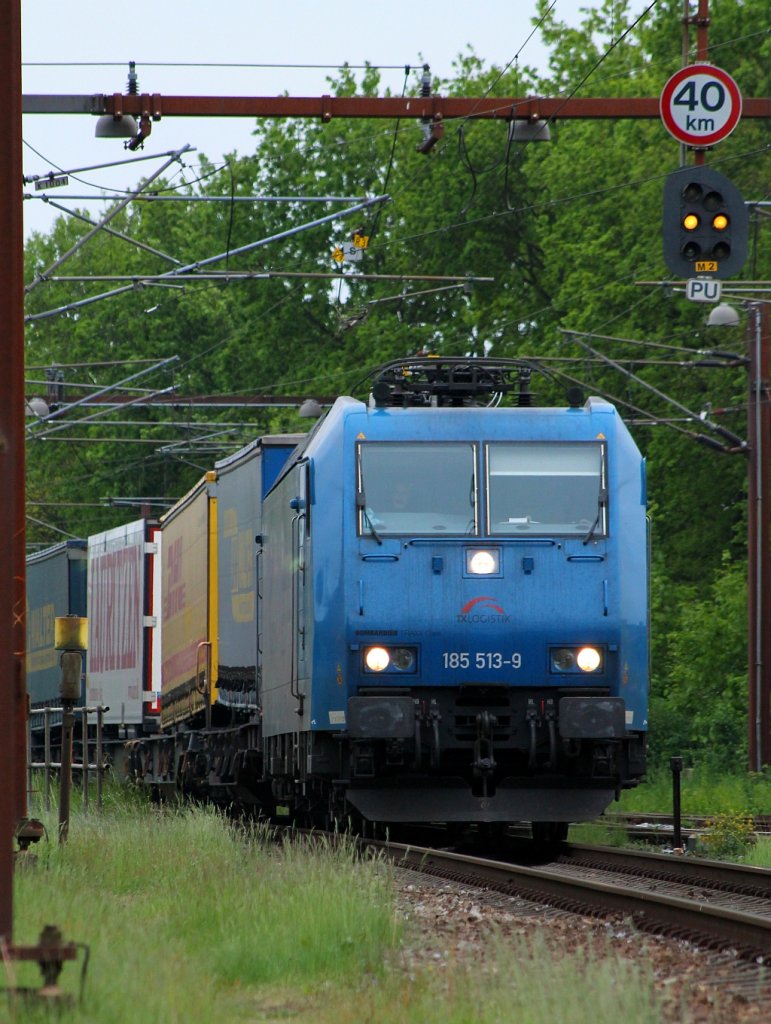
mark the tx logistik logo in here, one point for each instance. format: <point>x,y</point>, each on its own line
<point>485,606</point>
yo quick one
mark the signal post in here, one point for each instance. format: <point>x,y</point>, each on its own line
<point>705,237</point>
<point>759,538</point>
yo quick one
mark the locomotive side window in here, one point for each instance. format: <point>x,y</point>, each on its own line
<point>416,488</point>
<point>547,488</point>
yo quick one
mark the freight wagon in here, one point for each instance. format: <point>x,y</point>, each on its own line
<point>110,580</point>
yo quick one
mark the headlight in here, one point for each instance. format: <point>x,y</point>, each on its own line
<point>403,659</point>
<point>576,660</point>
<point>563,660</point>
<point>390,659</point>
<point>588,659</point>
<point>483,561</point>
<point>376,659</point>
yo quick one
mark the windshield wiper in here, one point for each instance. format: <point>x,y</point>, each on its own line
<point>602,501</point>
<point>366,517</point>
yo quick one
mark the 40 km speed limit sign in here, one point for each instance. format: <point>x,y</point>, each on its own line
<point>700,105</point>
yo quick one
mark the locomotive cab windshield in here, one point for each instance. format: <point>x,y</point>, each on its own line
<point>541,487</point>
<point>531,487</point>
<point>417,488</point>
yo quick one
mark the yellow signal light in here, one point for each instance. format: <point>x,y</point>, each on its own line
<point>690,221</point>
<point>720,222</point>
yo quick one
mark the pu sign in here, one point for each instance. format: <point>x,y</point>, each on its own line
<point>700,105</point>
<point>703,289</point>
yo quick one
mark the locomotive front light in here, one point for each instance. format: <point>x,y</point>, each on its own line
<point>390,659</point>
<point>376,659</point>
<point>563,659</point>
<point>483,562</point>
<point>403,659</point>
<point>576,660</point>
<point>589,659</point>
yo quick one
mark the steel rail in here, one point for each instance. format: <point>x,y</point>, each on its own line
<point>719,875</point>
<point>650,911</point>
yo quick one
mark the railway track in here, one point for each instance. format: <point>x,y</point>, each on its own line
<point>698,822</point>
<point>714,905</point>
<point>659,828</point>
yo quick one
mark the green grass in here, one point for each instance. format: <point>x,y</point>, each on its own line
<point>702,791</point>
<point>183,913</point>
<point>759,855</point>
<point>597,834</point>
<point>189,919</point>
<point>729,800</point>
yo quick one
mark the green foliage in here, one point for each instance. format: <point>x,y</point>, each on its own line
<point>598,834</point>
<point>704,791</point>
<point>728,836</point>
<point>699,702</point>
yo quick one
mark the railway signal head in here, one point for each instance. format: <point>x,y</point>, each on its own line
<point>705,224</point>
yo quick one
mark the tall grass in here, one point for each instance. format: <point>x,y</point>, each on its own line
<point>191,920</point>
<point>759,855</point>
<point>182,913</point>
<point>704,791</point>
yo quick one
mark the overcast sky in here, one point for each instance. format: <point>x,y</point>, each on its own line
<point>84,47</point>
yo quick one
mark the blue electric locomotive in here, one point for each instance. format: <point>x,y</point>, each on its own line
<point>452,606</point>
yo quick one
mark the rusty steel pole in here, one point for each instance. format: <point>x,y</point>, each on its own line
<point>72,667</point>
<point>702,54</point>
<point>12,542</point>
<point>701,20</point>
<point>759,539</point>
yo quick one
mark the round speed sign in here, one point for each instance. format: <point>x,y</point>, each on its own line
<point>700,105</point>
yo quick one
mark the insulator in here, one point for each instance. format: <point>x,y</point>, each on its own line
<point>426,86</point>
<point>710,442</point>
